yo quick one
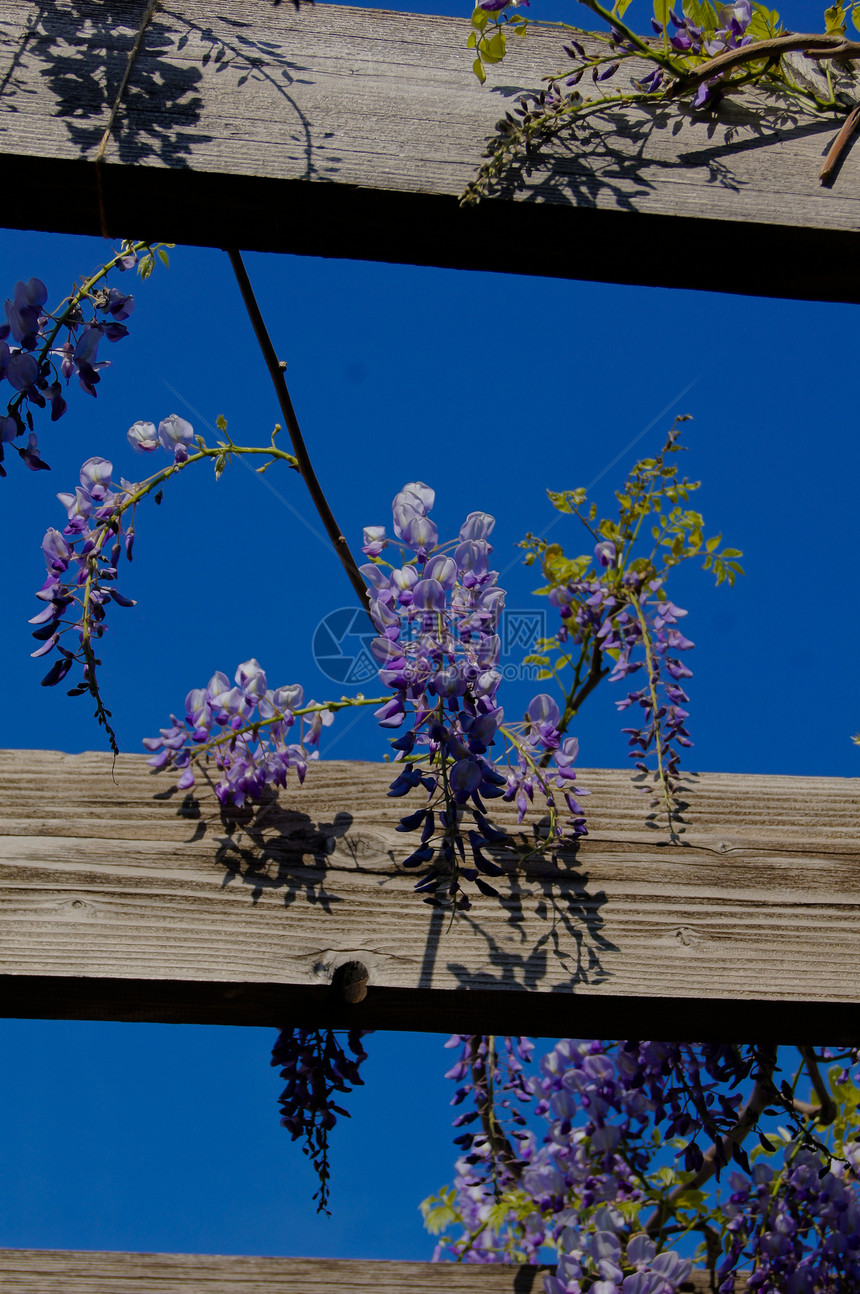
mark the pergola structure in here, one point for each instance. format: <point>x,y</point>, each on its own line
<point>351,133</point>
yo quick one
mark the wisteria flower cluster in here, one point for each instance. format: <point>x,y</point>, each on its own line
<point>82,564</point>
<point>41,351</point>
<point>436,611</point>
<point>315,1067</point>
<point>436,607</point>
<point>83,561</point>
<point>799,1226</point>
<point>679,35</point>
<point>246,729</point>
<point>617,618</point>
<point>637,630</point>
<point>598,1185</point>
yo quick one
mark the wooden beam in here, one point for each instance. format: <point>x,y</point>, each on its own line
<point>345,132</point>
<point>33,1271</point>
<point>121,900</point>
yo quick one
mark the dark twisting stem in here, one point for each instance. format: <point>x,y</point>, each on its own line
<point>276,372</point>
<point>820,47</point>
<point>482,1082</point>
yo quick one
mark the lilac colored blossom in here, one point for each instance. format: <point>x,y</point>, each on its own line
<point>593,1185</point>
<point>82,563</point>
<point>46,351</point>
<point>175,435</point>
<point>437,648</point>
<point>143,437</point>
<point>246,730</point>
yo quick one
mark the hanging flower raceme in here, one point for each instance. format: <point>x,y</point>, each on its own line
<point>436,608</point>
<point>248,731</point>
<point>315,1067</point>
<point>82,564</point>
<point>41,352</point>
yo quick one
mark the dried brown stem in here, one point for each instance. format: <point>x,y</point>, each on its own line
<point>839,145</point>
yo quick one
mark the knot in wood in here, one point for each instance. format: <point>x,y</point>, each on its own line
<point>350,982</point>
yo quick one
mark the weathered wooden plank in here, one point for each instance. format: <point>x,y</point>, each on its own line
<point>118,900</point>
<point>33,1271</point>
<point>345,132</point>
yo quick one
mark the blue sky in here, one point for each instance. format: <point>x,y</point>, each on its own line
<point>492,388</point>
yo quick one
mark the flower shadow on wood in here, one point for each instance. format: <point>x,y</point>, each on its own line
<point>269,847</point>
<point>551,896</point>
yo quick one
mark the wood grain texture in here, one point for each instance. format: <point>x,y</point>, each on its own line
<point>122,900</point>
<point>36,1271</point>
<point>346,132</point>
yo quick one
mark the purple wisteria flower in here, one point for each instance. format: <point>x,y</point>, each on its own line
<point>247,731</point>
<point>82,562</point>
<point>438,651</point>
<point>39,363</point>
<point>174,435</point>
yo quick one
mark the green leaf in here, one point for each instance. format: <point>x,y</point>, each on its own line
<point>834,19</point>
<point>661,11</point>
<point>470,43</point>
<point>764,23</point>
<point>221,422</point>
<point>560,501</point>
<point>621,7</point>
<point>163,257</point>
<point>493,50</point>
<point>855,19</point>
<point>478,69</point>
<point>480,18</point>
<point>704,15</point>
<point>437,1212</point>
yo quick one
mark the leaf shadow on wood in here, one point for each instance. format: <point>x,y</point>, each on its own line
<point>621,157</point>
<point>81,49</point>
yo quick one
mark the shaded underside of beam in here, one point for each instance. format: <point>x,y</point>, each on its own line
<point>128,900</point>
<point>344,132</point>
